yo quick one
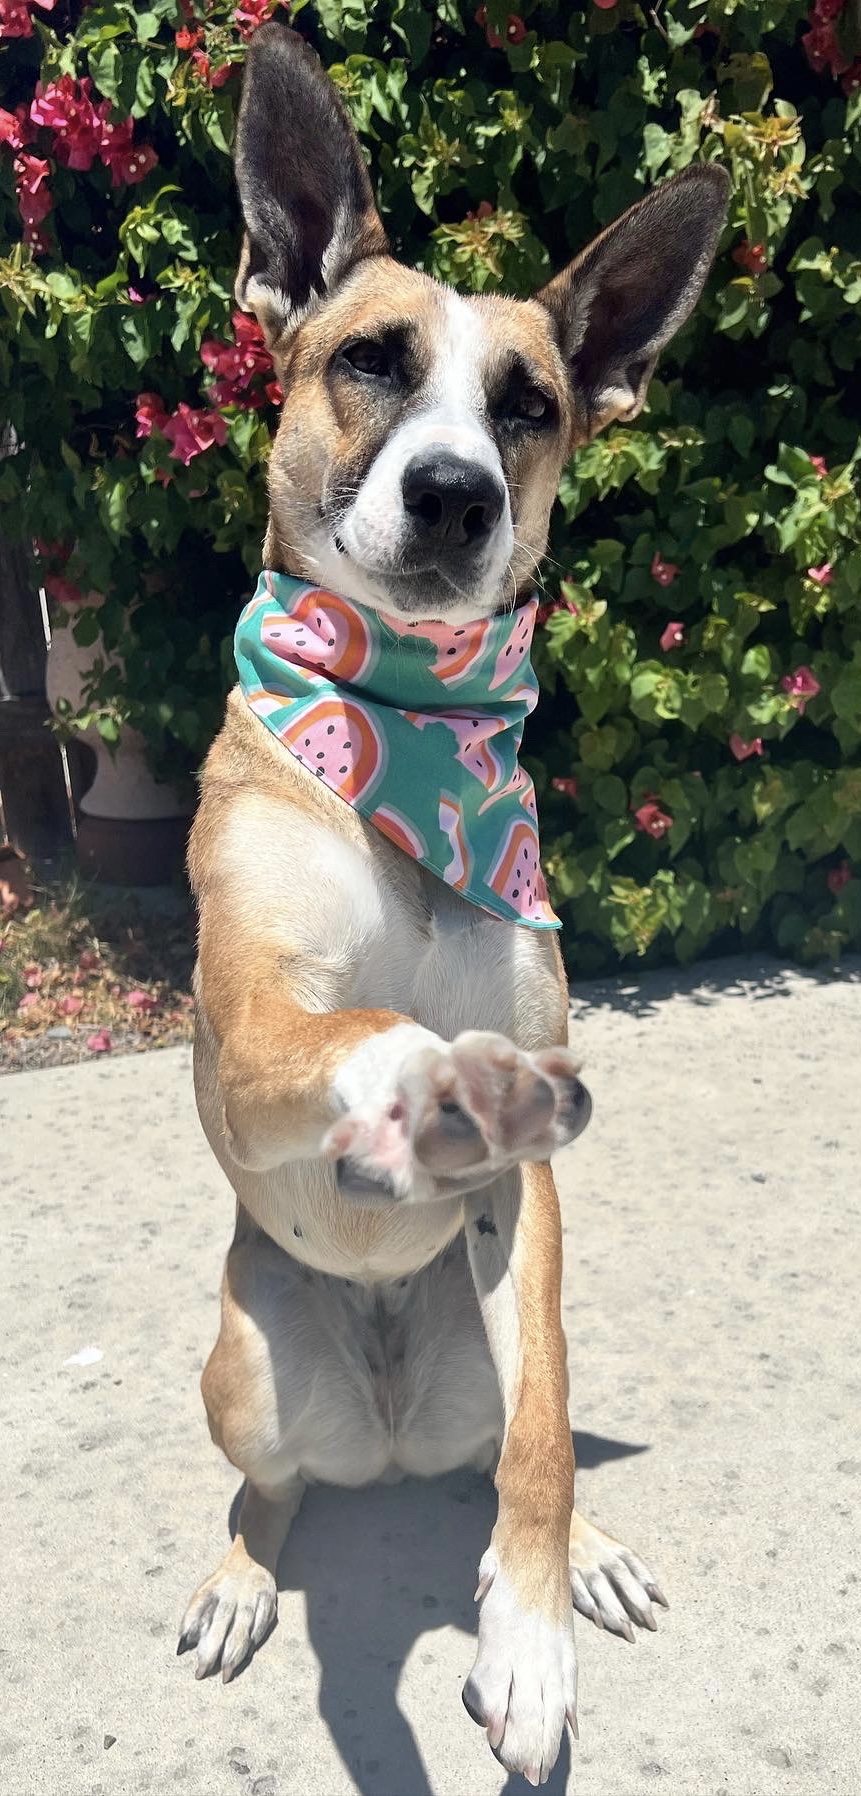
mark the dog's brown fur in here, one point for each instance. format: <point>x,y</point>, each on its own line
<point>280,1028</point>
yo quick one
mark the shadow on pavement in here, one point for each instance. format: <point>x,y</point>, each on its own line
<point>703,985</point>
<point>381,1569</point>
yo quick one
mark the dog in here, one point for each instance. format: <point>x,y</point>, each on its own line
<point>380,1064</point>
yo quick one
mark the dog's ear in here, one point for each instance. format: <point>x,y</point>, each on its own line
<point>305,192</point>
<point>620,302</point>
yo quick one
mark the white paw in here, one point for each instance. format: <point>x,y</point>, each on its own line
<point>426,1118</point>
<point>523,1685</point>
<point>609,1584</point>
<point>228,1618</point>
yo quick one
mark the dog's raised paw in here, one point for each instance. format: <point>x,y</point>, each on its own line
<point>445,1118</point>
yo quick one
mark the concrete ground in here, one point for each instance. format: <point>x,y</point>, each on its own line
<point>712,1308</point>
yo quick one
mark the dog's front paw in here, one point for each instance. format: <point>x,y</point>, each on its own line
<point>445,1118</point>
<point>523,1685</point>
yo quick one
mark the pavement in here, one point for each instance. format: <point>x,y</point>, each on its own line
<point>711,1301</point>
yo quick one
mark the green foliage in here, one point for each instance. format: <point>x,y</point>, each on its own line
<point>493,164</point>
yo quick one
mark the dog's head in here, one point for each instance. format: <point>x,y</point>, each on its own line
<point>423,432</point>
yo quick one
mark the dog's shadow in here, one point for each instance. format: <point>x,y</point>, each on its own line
<point>382,1568</point>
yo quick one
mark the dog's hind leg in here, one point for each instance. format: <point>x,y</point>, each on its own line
<point>232,1612</point>
<point>610,1585</point>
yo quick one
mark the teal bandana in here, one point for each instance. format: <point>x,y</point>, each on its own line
<point>416,725</point>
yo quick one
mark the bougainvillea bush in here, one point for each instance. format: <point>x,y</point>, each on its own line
<point>698,745</point>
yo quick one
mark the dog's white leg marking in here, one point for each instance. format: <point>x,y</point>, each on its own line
<point>523,1685</point>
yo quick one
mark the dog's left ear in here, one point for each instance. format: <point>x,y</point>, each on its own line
<point>621,301</point>
<point>306,194</point>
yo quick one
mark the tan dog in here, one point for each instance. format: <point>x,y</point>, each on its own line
<point>354,1014</point>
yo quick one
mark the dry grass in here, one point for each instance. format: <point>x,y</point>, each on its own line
<point>87,969</point>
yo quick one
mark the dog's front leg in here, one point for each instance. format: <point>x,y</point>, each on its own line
<point>524,1681</point>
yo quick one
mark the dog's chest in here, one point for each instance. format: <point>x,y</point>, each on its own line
<point>452,966</point>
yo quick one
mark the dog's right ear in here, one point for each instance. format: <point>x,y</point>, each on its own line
<point>306,196</point>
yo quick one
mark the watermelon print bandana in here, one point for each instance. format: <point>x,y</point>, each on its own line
<point>416,725</point>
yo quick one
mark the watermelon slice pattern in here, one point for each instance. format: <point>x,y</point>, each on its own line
<point>338,741</point>
<point>324,634</point>
<point>459,647</point>
<point>472,735</point>
<point>516,874</point>
<point>458,801</point>
<point>514,652</point>
<point>520,786</point>
<point>400,830</point>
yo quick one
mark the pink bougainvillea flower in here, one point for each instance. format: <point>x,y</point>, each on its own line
<point>15,20</point>
<point>237,363</point>
<point>142,1001</point>
<point>129,162</point>
<point>191,432</point>
<point>801,685</point>
<point>251,13</point>
<point>205,72</point>
<point>743,750</point>
<point>29,998</point>
<point>151,414</point>
<point>515,30</point>
<point>751,257</point>
<point>63,591</point>
<point>136,298</point>
<point>188,39</point>
<point>665,572</point>
<point>838,877</point>
<point>15,128</point>
<point>100,1041</point>
<point>65,106</point>
<point>274,392</point>
<point>819,463</point>
<point>70,1006</point>
<point>821,576</point>
<point>673,636</point>
<point>605,5</point>
<point>34,197</point>
<point>653,820</point>
<point>568,787</point>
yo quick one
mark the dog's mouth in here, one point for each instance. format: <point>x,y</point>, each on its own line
<point>423,582</point>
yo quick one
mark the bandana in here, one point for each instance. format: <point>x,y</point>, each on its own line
<point>416,725</point>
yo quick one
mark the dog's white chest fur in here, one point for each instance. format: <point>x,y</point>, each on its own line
<point>406,943</point>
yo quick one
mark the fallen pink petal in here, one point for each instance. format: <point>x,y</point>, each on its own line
<point>100,1041</point>
<point>142,1001</point>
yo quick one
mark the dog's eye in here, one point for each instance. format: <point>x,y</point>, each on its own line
<point>365,356</point>
<point>532,405</point>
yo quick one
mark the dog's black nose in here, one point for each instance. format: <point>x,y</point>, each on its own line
<point>450,500</point>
